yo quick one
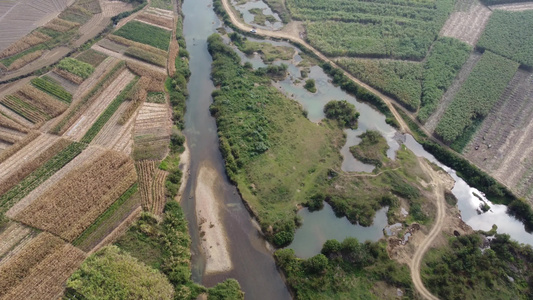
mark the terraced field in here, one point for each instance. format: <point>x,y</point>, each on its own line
<point>151,133</point>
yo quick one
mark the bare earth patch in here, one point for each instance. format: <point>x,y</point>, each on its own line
<point>212,232</point>
<point>467,22</point>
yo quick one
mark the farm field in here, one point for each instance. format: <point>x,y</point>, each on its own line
<point>405,30</point>
<point>18,18</point>
<point>117,136</point>
<point>467,21</point>
<point>151,185</point>
<point>487,81</point>
<point>69,206</point>
<point>504,36</point>
<point>151,134</point>
<point>145,34</point>
<point>513,6</point>
<point>505,138</point>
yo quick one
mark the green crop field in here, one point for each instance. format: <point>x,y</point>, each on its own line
<point>146,56</point>
<point>398,79</point>
<point>481,90</point>
<point>373,29</point>
<point>509,34</point>
<point>145,34</point>
<point>76,67</point>
<point>52,88</point>
<point>442,65</point>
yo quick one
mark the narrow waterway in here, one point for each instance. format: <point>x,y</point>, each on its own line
<point>252,263</point>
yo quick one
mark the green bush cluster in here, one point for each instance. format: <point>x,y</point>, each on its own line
<point>310,85</point>
<point>405,29</point>
<point>360,93</point>
<point>52,88</point>
<point>346,270</point>
<point>372,149</point>
<point>477,95</point>
<point>467,269</point>
<point>507,34</point>
<point>145,34</point>
<point>76,67</point>
<point>343,112</point>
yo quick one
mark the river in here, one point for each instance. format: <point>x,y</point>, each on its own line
<point>253,263</point>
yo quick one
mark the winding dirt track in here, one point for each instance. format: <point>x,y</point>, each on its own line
<point>294,38</point>
<point>435,231</point>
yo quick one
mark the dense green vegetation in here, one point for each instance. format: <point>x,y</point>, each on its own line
<point>163,4</point>
<point>52,88</point>
<point>39,176</point>
<point>76,67</point>
<point>362,94</point>
<point>481,90</point>
<point>310,85</point>
<point>113,274</point>
<point>108,113</point>
<point>267,51</point>
<point>442,65</point>
<point>372,149</point>
<point>372,29</point>
<point>145,34</point>
<point>397,79</point>
<point>347,270</point>
<point>253,117</point>
<point>507,34</point>
<point>462,270</point>
<point>343,112</point>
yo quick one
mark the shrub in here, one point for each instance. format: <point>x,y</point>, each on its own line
<point>343,112</point>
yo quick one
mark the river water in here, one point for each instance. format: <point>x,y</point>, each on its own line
<point>253,263</point>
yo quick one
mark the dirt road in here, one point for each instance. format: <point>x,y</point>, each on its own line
<point>438,189</point>
<point>295,38</point>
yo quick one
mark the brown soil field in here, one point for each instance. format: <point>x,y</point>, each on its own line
<point>89,155</point>
<point>16,268</point>
<point>18,18</point>
<point>152,23</point>
<point>129,43</point>
<point>448,96</point>
<point>73,203</point>
<point>108,227</point>
<point>60,25</point>
<point>505,138</point>
<point>68,76</point>
<point>513,6</point>
<point>24,60</point>
<point>114,135</point>
<point>86,120</point>
<point>160,12</point>
<point>157,79</point>
<point>467,22</point>
<point>151,186</point>
<point>42,101</point>
<point>5,154</point>
<point>152,19</point>
<point>27,166</point>
<point>129,59</point>
<point>13,238</point>
<point>152,132</point>
<point>68,85</point>
<point>46,280</point>
<point>24,43</point>
<point>10,135</point>
<point>8,123</point>
<point>112,46</point>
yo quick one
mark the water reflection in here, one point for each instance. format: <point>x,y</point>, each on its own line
<point>248,17</point>
<point>323,225</point>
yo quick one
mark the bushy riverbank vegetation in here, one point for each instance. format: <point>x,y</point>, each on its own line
<point>268,51</point>
<point>347,270</point>
<point>506,35</point>
<point>372,149</point>
<point>343,112</point>
<point>472,267</point>
<point>398,79</point>
<point>263,136</point>
<point>481,90</point>
<point>372,29</point>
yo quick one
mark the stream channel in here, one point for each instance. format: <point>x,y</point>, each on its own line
<point>253,263</point>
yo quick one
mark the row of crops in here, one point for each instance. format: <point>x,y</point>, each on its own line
<point>405,29</point>
<point>52,88</point>
<point>481,90</point>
